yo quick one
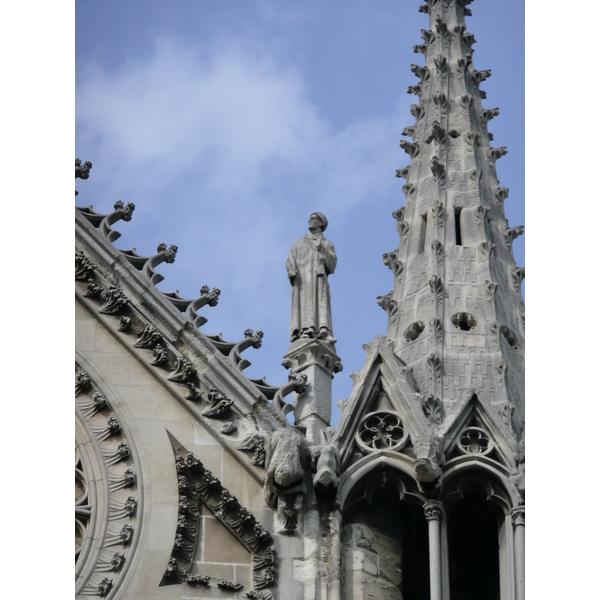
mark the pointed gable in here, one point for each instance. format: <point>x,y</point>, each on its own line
<point>474,427</point>
<point>385,386</point>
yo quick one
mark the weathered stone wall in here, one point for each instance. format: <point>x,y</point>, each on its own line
<point>149,411</point>
<point>371,564</point>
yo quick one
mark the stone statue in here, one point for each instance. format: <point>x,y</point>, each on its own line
<point>311,259</point>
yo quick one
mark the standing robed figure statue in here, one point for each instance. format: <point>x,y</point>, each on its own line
<point>311,259</point>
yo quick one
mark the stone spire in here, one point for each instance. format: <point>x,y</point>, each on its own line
<point>456,313</point>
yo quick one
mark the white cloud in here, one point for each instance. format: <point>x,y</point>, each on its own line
<point>224,149</point>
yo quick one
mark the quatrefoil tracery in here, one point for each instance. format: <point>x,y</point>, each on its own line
<point>474,440</point>
<point>381,430</point>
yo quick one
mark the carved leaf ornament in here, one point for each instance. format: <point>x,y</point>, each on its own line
<point>381,431</point>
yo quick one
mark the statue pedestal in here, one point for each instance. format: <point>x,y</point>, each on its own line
<point>318,361</point>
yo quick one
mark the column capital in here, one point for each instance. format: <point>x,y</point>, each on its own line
<point>434,510</point>
<point>304,353</point>
<point>518,515</point>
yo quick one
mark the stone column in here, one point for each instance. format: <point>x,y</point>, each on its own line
<point>518,518</point>
<point>335,541</point>
<point>317,360</point>
<point>434,512</point>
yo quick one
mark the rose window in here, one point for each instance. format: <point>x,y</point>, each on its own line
<point>474,440</point>
<point>381,431</point>
<point>83,510</point>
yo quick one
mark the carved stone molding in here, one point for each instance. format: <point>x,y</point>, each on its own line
<point>462,65</point>
<point>428,35</point>
<point>403,229</point>
<point>197,485</point>
<point>104,222</point>
<point>82,381</point>
<point>82,170</point>
<point>496,153</point>
<point>437,134</point>
<point>511,234</point>
<point>183,371</point>
<point>412,149</point>
<point>147,338</point>
<point>518,275</point>
<point>389,305</point>
<point>219,405</point>
<point>437,330</point>
<point>121,452</point>
<point>438,212</point>
<point>409,131</point>
<point>472,139</point>
<point>124,324</point>
<point>506,413</point>
<point>438,170</point>
<point>437,289</point>
<point>254,443</point>
<point>390,259</point>
<point>475,176</point>
<point>296,383</point>
<point>409,190</point>
<point>84,267</point>
<point>403,173</point>
<point>501,194</point>
<point>518,516</point>
<point>441,27</point>
<point>421,72</point>
<point>99,436</point>
<point>433,409</point>
<point>111,427</point>
<point>490,289</point>
<point>398,214</point>
<point>146,264</point>
<point>414,89</point>
<point>440,100</point>
<point>485,249</point>
<point>417,111</point>
<point>441,64</point>
<point>93,289</point>
<point>115,301</point>
<point>480,76</point>
<point>466,102</point>
<point>97,403</point>
<point>438,252</point>
<point>488,114</point>
<point>434,510</point>
<point>434,364</point>
<point>160,356</point>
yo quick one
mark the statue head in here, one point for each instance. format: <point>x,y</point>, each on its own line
<point>317,219</point>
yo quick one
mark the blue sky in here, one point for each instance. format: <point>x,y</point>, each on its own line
<point>228,123</point>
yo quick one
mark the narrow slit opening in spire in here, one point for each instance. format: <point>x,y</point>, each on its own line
<point>422,233</point>
<point>457,211</point>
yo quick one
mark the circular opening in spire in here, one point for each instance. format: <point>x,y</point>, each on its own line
<point>464,321</point>
<point>510,337</point>
<point>414,331</point>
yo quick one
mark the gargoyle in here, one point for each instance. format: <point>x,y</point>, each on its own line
<point>286,463</point>
<point>327,459</point>
<point>428,450</point>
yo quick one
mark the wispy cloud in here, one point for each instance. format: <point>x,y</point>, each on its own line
<point>224,146</point>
